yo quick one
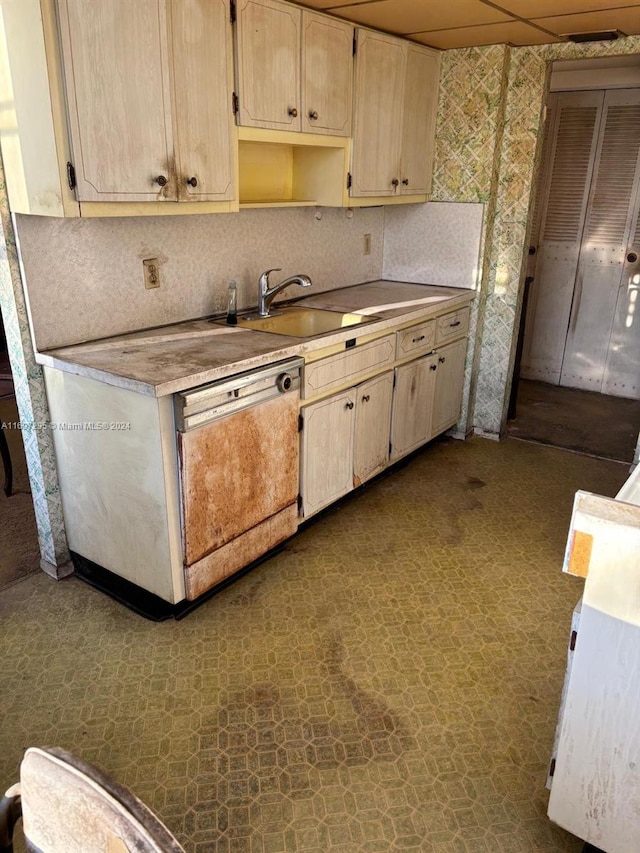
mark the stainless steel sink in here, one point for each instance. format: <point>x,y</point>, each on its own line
<point>303,322</point>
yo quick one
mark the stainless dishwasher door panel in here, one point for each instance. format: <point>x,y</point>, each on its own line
<point>236,472</point>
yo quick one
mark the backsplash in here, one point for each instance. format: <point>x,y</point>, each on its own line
<point>84,277</point>
<point>435,243</point>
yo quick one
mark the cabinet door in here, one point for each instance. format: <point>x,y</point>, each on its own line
<point>327,451</point>
<point>419,119</point>
<point>327,75</point>
<point>449,383</point>
<point>380,70</point>
<point>373,427</point>
<point>202,76</point>
<point>268,63</point>
<point>412,404</point>
<point>118,93</point>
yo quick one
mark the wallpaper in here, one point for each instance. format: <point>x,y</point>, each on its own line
<point>498,166</point>
<point>32,403</point>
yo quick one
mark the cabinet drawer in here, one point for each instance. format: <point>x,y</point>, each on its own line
<point>452,326</point>
<point>416,339</point>
<point>346,367</point>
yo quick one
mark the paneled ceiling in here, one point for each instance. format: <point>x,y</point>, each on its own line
<point>464,23</point>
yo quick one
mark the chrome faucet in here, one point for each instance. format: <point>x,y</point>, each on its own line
<point>266,293</point>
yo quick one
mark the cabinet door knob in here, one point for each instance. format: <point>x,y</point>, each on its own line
<point>293,112</point>
<point>160,180</point>
<point>632,257</point>
<point>193,182</point>
<point>313,115</point>
<point>366,398</point>
<point>405,182</point>
<point>395,182</point>
<point>349,405</point>
<point>433,367</point>
<point>442,359</point>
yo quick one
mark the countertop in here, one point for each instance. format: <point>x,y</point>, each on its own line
<point>165,360</point>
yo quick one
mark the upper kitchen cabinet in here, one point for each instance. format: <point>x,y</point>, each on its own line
<point>147,85</point>
<point>118,107</point>
<point>294,69</point>
<point>327,75</point>
<point>395,105</point>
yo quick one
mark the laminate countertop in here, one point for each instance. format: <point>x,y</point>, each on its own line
<point>168,359</point>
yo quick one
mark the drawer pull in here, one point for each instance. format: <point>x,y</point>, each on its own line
<point>349,405</point>
<point>457,323</point>
<point>366,398</point>
<point>442,359</point>
<point>415,340</point>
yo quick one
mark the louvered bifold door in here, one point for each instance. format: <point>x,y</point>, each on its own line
<point>597,313</point>
<point>573,122</point>
<point>622,370</point>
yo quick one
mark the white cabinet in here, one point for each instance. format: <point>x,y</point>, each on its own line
<point>327,451</point>
<point>449,382</point>
<point>294,68</point>
<point>345,441</point>
<point>373,421</point>
<point>147,84</point>
<point>396,92</point>
<point>412,405</point>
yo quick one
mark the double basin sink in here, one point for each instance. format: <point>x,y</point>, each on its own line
<point>300,322</point>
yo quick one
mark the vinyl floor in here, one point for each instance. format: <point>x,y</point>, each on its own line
<point>389,681</point>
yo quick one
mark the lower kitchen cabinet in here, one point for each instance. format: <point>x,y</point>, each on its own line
<point>449,382</point>
<point>373,420</point>
<point>327,451</point>
<point>412,405</point>
<point>345,441</point>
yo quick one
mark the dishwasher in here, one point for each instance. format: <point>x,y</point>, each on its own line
<point>238,460</point>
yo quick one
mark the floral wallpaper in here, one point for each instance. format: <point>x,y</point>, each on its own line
<point>32,403</point>
<point>492,156</point>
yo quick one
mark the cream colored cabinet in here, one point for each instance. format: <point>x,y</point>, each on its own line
<point>148,87</point>
<point>412,405</point>
<point>449,381</point>
<point>373,422</point>
<point>345,441</point>
<point>327,75</point>
<point>327,451</point>
<point>396,86</point>
<point>421,84</point>
<point>294,69</point>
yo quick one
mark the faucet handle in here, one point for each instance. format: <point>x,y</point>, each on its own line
<point>267,273</point>
<point>264,278</point>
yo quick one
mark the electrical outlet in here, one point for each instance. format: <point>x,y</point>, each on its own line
<point>151,273</point>
<point>366,244</point>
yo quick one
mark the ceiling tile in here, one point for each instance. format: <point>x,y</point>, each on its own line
<point>626,20</point>
<point>547,8</point>
<point>411,16</point>
<point>515,33</point>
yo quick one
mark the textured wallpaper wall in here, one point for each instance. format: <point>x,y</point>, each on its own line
<point>495,161</point>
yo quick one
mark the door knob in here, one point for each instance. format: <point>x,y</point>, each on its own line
<point>433,367</point>
<point>442,359</point>
<point>293,112</point>
<point>405,182</point>
<point>160,180</point>
<point>349,405</point>
<point>632,257</point>
<point>366,398</point>
<point>193,182</point>
<point>395,182</point>
<point>313,115</point>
